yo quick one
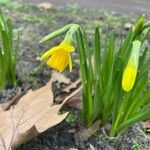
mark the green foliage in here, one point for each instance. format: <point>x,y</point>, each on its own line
<point>71,118</point>
<point>101,69</point>
<point>4,1</point>
<point>136,145</point>
<point>103,96</point>
<point>8,55</point>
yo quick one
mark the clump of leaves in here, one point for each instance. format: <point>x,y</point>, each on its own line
<point>111,89</point>
<point>115,78</point>
<point>8,54</point>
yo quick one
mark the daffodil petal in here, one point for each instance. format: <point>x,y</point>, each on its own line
<point>59,57</point>
<point>70,63</point>
<point>59,60</point>
<point>49,52</point>
<point>67,47</point>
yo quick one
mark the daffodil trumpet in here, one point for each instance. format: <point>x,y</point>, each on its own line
<point>130,72</point>
<point>59,56</point>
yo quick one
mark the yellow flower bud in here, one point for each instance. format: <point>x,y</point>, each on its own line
<point>130,72</point>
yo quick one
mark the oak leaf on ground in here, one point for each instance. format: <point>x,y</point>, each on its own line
<point>33,114</point>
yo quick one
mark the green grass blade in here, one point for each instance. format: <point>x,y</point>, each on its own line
<point>107,99</point>
<point>129,122</point>
<point>87,103</point>
<point>97,54</point>
<point>141,101</point>
<point>16,49</point>
<point>146,34</point>
<point>142,60</point>
<point>97,104</point>
<point>137,91</point>
<point>126,43</point>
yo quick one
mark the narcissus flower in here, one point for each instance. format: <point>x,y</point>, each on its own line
<point>59,57</point>
<point>130,72</point>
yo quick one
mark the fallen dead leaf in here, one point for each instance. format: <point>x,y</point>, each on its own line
<point>146,125</point>
<point>88,132</point>
<point>75,101</point>
<point>73,148</point>
<point>72,130</point>
<point>92,147</point>
<point>8,104</point>
<point>58,77</point>
<point>45,5</point>
<point>34,113</point>
<point>127,25</point>
<point>72,86</point>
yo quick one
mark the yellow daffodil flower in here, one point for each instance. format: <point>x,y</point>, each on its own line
<point>59,57</point>
<point>130,72</point>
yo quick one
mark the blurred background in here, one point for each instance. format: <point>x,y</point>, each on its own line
<point>122,6</point>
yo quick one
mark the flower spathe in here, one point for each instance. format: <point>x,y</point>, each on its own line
<point>59,57</point>
<point>130,72</point>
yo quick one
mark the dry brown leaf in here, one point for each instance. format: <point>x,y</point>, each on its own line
<point>127,25</point>
<point>88,132</point>
<point>8,104</point>
<point>58,77</point>
<point>34,113</point>
<point>45,5</point>
<point>92,147</point>
<point>72,130</point>
<point>72,86</point>
<point>73,148</point>
<point>76,101</point>
<point>146,125</point>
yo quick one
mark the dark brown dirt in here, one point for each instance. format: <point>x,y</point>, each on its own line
<point>66,137</point>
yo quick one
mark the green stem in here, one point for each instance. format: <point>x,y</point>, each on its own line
<point>118,118</point>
